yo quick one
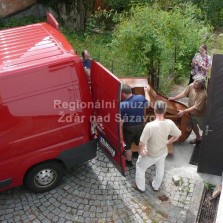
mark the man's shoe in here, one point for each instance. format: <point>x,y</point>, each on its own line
<point>129,163</point>
<point>195,141</point>
<point>152,187</point>
<point>136,188</point>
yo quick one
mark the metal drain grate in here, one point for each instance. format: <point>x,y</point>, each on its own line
<point>208,208</point>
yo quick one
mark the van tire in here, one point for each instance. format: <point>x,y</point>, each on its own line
<point>44,176</point>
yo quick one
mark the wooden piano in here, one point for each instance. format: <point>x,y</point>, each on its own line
<point>183,123</point>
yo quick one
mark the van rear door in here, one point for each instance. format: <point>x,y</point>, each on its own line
<point>106,91</point>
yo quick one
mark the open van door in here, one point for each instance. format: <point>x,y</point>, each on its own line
<point>106,91</point>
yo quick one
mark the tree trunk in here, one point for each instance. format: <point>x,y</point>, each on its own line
<point>75,13</point>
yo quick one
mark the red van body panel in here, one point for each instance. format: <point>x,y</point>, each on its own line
<point>106,90</point>
<point>39,76</point>
<point>47,105</point>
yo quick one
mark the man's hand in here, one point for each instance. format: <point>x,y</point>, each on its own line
<point>143,153</point>
<point>181,113</point>
<point>171,98</point>
<point>147,88</point>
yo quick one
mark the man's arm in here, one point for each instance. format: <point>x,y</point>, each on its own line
<point>146,90</point>
<point>179,96</point>
<point>198,103</point>
<point>173,139</point>
<point>175,132</point>
<point>182,112</point>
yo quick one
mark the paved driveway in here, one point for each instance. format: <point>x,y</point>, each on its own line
<point>97,192</point>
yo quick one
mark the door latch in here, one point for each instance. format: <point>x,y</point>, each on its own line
<point>207,130</point>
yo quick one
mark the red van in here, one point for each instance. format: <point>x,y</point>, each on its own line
<point>48,112</point>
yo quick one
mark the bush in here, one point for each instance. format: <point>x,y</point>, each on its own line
<point>98,45</point>
<point>158,43</point>
<point>14,22</point>
<point>213,9</point>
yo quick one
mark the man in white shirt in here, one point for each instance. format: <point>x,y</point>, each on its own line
<point>153,147</point>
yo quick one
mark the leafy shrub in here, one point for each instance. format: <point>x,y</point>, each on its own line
<point>213,9</point>
<point>14,22</point>
<point>101,20</point>
<point>158,43</point>
<point>97,44</point>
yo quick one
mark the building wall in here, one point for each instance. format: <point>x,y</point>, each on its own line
<point>8,7</point>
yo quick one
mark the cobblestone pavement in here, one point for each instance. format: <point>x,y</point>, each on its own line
<point>96,192</point>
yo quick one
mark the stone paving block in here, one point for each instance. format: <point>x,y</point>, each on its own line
<point>62,214</point>
<point>32,217</point>
<point>57,203</point>
<point>61,220</point>
<point>172,221</point>
<point>56,211</point>
<point>93,209</point>
<point>36,221</point>
<point>186,207</point>
<point>100,191</point>
<point>87,220</point>
<point>24,217</point>
<point>176,180</point>
<point>63,207</point>
<point>8,216</point>
<point>41,217</point>
<point>50,208</point>
<point>17,218</point>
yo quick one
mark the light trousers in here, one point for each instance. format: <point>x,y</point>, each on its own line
<point>143,163</point>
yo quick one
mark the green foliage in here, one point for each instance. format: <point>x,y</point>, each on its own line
<point>125,5</point>
<point>14,22</point>
<point>101,20</point>
<point>213,9</point>
<point>152,41</point>
<point>119,5</point>
<point>218,45</point>
<point>96,44</point>
<point>208,186</point>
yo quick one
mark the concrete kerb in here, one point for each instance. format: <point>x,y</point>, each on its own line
<point>195,202</point>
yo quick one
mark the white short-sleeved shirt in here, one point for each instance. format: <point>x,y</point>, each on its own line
<point>155,136</point>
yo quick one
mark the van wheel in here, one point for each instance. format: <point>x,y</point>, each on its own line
<point>44,177</point>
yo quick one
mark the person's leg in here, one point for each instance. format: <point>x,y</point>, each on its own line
<point>195,122</point>
<point>127,134</point>
<point>142,164</point>
<point>159,172</point>
<point>137,131</point>
<point>133,135</point>
<point>196,131</point>
<point>200,122</point>
<point>137,134</point>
